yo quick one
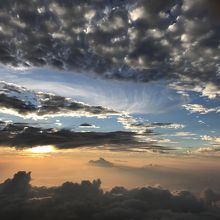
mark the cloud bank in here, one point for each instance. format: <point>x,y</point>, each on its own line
<point>86,200</point>
<point>22,135</point>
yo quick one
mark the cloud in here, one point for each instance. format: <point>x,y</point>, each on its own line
<point>21,135</point>
<point>26,103</point>
<point>208,150</point>
<point>211,139</point>
<point>184,134</point>
<point>88,201</point>
<point>87,125</point>
<point>196,108</point>
<point>18,185</point>
<point>141,41</point>
<point>101,162</point>
<point>141,127</point>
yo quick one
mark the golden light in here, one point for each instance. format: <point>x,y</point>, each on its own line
<point>42,149</point>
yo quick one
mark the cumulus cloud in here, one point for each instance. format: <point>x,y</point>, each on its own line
<point>86,200</point>
<point>26,103</point>
<point>141,40</point>
<point>18,185</point>
<point>212,139</point>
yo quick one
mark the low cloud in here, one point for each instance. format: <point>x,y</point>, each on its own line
<point>21,135</point>
<point>101,162</point>
<point>88,201</point>
<point>87,125</point>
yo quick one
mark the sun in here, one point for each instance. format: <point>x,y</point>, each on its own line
<point>42,149</point>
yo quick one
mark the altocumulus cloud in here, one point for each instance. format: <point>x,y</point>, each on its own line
<point>141,40</point>
<point>86,200</point>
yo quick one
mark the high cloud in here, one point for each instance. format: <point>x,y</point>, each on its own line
<point>141,40</point>
<point>86,200</point>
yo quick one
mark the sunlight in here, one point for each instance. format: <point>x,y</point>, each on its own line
<point>42,149</point>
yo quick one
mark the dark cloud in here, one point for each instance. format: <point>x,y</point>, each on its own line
<point>88,201</point>
<point>19,185</point>
<point>101,162</point>
<point>141,40</point>
<point>24,136</point>
<point>87,125</point>
<point>29,103</point>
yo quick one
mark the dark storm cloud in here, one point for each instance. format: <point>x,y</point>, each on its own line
<point>141,40</point>
<point>88,201</point>
<point>25,136</point>
<point>26,103</point>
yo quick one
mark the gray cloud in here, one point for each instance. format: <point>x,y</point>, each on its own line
<point>87,125</point>
<point>21,135</point>
<point>145,40</point>
<point>101,162</point>
<point>88,201</point>
<point>27,103</point>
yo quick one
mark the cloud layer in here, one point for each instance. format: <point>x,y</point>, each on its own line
<point>88,201</point>
<point>145,40</point>
<point>22,135</point>
<point>27,103</point>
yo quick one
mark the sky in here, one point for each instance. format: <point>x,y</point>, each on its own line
<point>124,91</point>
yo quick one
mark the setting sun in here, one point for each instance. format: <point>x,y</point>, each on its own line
<point>42,149</point>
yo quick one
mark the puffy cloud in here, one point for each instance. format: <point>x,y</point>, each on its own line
<point>18,185</point>
<point>142,40</point>
<point>86,200</point>
<point>211,139</point>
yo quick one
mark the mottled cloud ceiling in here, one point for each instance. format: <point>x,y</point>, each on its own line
<point>141,40</point>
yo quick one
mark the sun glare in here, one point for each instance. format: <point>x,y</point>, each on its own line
<point>42,149</point>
